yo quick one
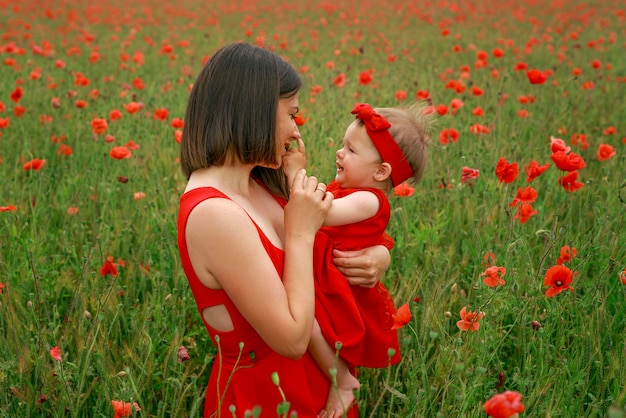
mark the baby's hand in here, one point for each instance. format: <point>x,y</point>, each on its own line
<point>294,160</point>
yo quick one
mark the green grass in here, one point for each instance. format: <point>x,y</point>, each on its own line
<point>119,336</point>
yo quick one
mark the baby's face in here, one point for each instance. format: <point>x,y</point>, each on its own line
<point>358,160</point>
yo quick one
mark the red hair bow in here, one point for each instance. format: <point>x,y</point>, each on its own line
<point>372,120</point>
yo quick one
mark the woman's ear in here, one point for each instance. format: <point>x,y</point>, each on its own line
<point>383,172</point>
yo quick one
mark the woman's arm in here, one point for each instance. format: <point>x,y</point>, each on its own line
<point>230,251</point>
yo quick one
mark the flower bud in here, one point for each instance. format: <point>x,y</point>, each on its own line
<point>183,354</point>
<point>275,378</point>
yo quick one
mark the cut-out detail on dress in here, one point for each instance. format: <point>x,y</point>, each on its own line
<point>218,318</point>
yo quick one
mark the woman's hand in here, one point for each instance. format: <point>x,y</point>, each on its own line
<point>363,267</point>
<point>308,205</point>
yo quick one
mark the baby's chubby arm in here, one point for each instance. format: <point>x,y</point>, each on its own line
<point>294,160</point>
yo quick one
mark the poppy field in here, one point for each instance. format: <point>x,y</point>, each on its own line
<point>509,265</point>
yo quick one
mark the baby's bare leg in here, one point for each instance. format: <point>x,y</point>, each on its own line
<point>343,383</point>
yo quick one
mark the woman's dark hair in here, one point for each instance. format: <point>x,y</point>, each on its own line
<point>231,113</point>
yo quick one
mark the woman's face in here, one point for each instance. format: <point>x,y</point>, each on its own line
<point>286,128</point>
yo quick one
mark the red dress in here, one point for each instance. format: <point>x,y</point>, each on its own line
<point>360,318</point>
<point>242,376</point>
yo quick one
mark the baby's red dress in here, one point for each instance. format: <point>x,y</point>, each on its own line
<point>242,376</point>
<point>358,317</point>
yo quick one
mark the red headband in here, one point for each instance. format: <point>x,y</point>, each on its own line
<point>377,129</point>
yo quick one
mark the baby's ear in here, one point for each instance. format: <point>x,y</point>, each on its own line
<point>383,172</point>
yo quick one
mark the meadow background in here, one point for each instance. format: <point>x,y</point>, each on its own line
<point>68,225</point>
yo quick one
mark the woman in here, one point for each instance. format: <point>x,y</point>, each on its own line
<point>247,253</point>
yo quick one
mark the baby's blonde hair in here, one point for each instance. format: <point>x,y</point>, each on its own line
<point>410,127</point>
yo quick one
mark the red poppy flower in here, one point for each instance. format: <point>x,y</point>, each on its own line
<point>477,91</point>
<point>1,287</point>
<point>497,52</point>
<point>124,409</point>
<point>4,122</point>
<point>108,267</point>
<point>569,181</point>
<point>558,145</point>
<point>507,173</point>
<point>19,111</point>
<point>178,135</point>
<point>524,212</point>
<point>132,145</point>
<point>34,164</point>
<point>422,95</point>
<point>609,131</point>
<point>566,254</point>
<point>441,109</point>
<point>115,115</point>
<point>99,126</point>
<point>340,80</point>
<point>605,152</point>
<point>580,140</point>
<point>161,114</point>
<point>504,405</point>
<point>10,208</point>
<point>568,162</point>
<point>477,129</point>
<point>559,279</point>
<point>468,175</point>
<point>456,103</point>
<point>536,76</point>
<point>524,195</point>
<point>120,153</point>
<point>401,95</point>
<point>17,94</point>
<point>138,83</point>
<point>403,190</point>
<point>80,79</point>
<point>478,111</point>
<point>493,276</point>
<point>55,353</point>
<point>177,123</point>
<point>402,316</point>
<point>64,150</point>
<point>533,170</point>
<point>588,85</point>
<point>469,320</point>
<point>447,135</point>
<point>622,276</point>
<point>526,99</point>
<point>365,77</point>
<point>300,121</point>
<point>133,107</point>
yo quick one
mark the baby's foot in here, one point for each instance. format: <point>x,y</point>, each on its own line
<point>340,398</point>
